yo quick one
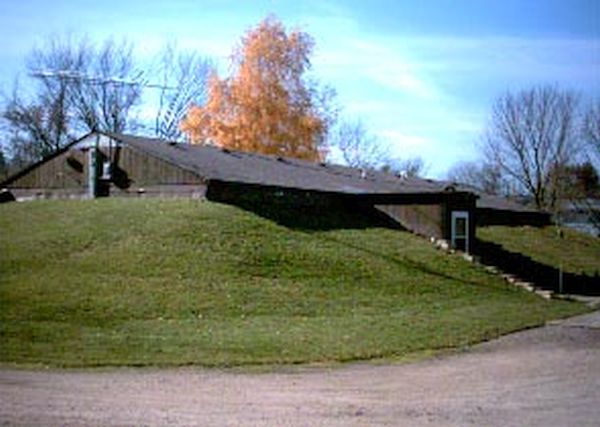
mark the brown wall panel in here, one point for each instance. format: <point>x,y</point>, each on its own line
<point>426,220</point>
<point>131,170</point>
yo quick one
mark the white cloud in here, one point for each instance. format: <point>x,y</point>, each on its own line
<point>374,63</point>
<point>403,141</point>
<point>430,96</point>
<point>508,61</point>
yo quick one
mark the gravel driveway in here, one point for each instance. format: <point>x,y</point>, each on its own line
<point>543,377</point>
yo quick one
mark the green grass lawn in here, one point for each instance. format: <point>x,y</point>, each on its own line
<point>173,282</point>
<point>576,252</point>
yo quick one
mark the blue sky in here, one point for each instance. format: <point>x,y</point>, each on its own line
<point>422,75</point>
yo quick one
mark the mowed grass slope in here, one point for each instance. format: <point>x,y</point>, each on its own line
<point>576,252</point>
<point>172,282</point>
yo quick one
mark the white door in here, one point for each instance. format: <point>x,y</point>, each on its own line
<point>460,230</point>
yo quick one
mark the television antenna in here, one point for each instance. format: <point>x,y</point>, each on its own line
<point>76,76</point>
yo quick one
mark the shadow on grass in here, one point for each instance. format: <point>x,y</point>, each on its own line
<point>421,267</point>
<point>305,217</point>
<point>544,276</point>
<point>304,210</point>
<point>336,215</point>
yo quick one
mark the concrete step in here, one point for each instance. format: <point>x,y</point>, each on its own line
<point>528,286</point>
<point>517,281</point>
<point>544,293</point>
<point>512,279</point>
<point>491,269</point>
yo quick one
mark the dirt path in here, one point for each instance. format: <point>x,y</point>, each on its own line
<point>543,377</point>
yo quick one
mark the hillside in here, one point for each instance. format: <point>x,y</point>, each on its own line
<point>172,282</point>
<point>577,252</point>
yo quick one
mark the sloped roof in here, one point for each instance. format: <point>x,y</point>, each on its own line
<point>252,168</point>
<point>215,163</point>
<point>493,201</point>
<point>490,201</point>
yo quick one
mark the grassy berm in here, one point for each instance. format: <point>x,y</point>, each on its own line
<point>576,252</point>
<point>173,282</point>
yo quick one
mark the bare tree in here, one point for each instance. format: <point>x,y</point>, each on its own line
<point>37,128</point>
<point>184,77</point>
<point>411,167</point>
<point>591,130</point>
<point>531,135</point>
<point>591,138</point>
<point>483,176</point>
<point>77,87</point>
<point>360,149</point>
<point>3,165</point>
<point>357,147</point>
<point>36,121</point>
<point>101,81</point>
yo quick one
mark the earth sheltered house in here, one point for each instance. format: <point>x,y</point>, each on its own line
<point>103,164</point>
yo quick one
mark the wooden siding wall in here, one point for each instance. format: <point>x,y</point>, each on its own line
<point>134,173</point>
<point>143,170</point>
<point>426,220</point>
<point>431,216</point>
<point>66,171</point>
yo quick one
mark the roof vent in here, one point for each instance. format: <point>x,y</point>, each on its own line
<point>225,150</point>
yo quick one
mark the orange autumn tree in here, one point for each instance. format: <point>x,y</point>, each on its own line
<point>267,105</point>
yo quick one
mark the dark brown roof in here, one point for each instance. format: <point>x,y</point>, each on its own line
<point>252,168</point>
<point>492,201</point>
<point>215,163</point>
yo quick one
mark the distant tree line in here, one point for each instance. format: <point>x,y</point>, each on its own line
<point>541,143</point>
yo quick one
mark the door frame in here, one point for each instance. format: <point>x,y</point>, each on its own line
<point>453,237</point>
